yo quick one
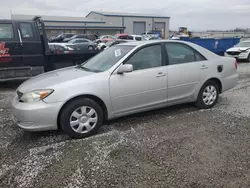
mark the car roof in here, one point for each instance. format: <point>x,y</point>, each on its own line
<point>122,34</point>
<point>79,39</point>
<point>138,43</point>
<point>60,43</point>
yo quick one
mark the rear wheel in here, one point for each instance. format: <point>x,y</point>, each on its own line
<point>81,118</point>
<point>91,48</point>
<point>208,95</point>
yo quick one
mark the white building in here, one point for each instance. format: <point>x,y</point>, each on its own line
<point>133,23</point>
<point>103,23</point>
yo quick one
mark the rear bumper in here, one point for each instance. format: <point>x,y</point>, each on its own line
<point>229,82</point>
<point>19,73</point>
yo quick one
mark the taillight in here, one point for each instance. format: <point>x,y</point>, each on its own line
<point>236,64</point>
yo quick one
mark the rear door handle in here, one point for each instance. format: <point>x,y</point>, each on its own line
<point>160,74</point>
<point>204,67</point>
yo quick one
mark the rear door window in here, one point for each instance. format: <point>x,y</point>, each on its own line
<point>6,31</point>
<point>130,37</point>
<point>179,53</point>
<point>27,31</point>
<point>123,37</point>
<point>80,41</point>
<point>138,38</point>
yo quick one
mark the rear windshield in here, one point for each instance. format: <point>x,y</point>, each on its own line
<point>107,58</point>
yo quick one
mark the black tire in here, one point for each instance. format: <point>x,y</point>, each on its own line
<point>90,48</point>
<point>199,102</point>
<point>67,110</point>
<point>248,58</point>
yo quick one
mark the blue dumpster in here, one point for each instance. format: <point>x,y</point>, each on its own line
<point>218,46</point>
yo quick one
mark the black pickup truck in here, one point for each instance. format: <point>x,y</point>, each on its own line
<point>24,50</point>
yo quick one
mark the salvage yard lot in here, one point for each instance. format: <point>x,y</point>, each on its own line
<point>179,146</point>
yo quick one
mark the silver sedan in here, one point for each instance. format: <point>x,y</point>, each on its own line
<point>124,79</point>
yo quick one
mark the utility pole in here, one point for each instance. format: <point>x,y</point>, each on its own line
<point>10,14</point>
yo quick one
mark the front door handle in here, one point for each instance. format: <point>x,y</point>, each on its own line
<point>204,67</point>
<point>160,74</point>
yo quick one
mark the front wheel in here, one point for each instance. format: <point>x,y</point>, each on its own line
<point>208,95</point>
<point>248,58</point>
<point>81,118</point>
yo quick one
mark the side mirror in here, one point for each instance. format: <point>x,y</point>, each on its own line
<point>125,68</point>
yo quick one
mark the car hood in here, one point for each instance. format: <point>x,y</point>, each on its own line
<point>50,79</point>
<point>237,49</point>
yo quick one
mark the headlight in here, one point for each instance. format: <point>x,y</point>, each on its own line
<point>36,95</point>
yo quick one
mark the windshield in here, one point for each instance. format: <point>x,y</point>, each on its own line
<point>107,58</point>
<point>243,44</point>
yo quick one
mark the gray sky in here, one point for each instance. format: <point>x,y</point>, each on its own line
<point>194,14</point>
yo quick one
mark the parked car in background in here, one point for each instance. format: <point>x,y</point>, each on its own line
<point>58,48</point>
<point>124,79</point>
<point>137,37</point>
<point>61,37</point>
<point>106,37</point>
<point>106,45</point>
<point>79,40</point>
<point>124,36</point>
<point>102,45</point>
<point>151,37</point>
<point>155,38</point>
<point>85,36</point>
<point>240,51</point>
<point>103,39</point>
<point>82,40</point>
<point>83,44</point>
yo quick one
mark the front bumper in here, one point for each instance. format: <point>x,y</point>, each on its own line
<point>37,116</point>
<point>243,55</point>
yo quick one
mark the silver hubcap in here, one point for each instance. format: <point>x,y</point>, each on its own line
<point>209,95</point>
<point>83,119</point>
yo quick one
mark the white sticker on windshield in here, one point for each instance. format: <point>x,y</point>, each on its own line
<point>118,52</point>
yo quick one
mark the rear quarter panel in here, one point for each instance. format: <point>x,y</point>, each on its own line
<point>228,76</point>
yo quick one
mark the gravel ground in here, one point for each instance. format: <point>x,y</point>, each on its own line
<point>179,146</point>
